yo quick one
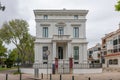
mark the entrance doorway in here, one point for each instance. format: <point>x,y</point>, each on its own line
<point>60,52</point>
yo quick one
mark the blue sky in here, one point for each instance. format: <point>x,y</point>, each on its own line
<point>102,17</point>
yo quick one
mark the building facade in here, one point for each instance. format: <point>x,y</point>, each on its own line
<point>60,38</point>
<point>111,44</point>
<point>94,54</point>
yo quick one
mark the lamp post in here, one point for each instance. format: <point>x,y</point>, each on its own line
<point>47,54</point>
<point>2,7</point>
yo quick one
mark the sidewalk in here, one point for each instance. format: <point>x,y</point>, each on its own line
<point>101,76</point>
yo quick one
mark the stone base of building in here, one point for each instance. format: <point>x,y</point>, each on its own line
<point>111,69</point>
<point>75,71</point>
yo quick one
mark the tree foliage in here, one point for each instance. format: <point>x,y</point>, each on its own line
<point>12,58</point>
<point>3,50</point>
<point>117,6</point>
<point>13,55</point>
<point>16,32</point>
<point>27,43</point>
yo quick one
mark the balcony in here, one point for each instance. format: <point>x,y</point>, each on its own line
<point>61,38</point>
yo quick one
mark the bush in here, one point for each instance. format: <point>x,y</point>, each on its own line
<point>9,63</point>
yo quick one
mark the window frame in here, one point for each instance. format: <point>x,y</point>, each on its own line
<point>76,17</point>
<point>45,32</point>
<point>76,52</point>
<point>60,30</point>
<point>45,17</point>
<point>44,57</point>
<point>75,32</point>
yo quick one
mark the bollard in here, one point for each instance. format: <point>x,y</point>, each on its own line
<point>60,77</point>
<point>50,77</point>
<point>20,76</point>
<point>41,75</point>
<point>72,77</point>
<point>89,78</point>
<point>6,76</point>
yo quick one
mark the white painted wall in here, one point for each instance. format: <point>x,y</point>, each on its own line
<point>84,71</point>
<point>54,19</point>
<point>75,71</point>
<point>31,71</point>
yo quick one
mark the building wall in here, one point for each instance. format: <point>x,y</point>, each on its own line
<point>94,52</point>
<point>65,18</point>
<point>112,49</point>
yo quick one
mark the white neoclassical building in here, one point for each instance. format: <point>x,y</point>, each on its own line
<point>62,35</point>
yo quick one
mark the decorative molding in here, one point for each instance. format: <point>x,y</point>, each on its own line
<point>60,24</point>
<point>75,24</point>
<point>44,24</point>
<point>60,20</point>
<point>61,12</point>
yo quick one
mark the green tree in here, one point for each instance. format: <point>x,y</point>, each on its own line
<point>27,43</point>
<point>117,6</point>
<point>12,58</point>
<point>13,55</point>
<point>3,50</point>
<point>13,32</point>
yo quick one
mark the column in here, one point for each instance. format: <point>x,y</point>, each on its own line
<point>69,53</point>
<point>54,51</point>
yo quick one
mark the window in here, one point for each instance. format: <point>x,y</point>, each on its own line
<point>103,60</point>
<point>90,52</point>
<point>76,32</point>
<point>75,16</point>
<point>60,30</point>
<point>115,48</point>
<point>113,61</point>
<point>76,53</point>
<point>99,48</point>
<point>45,17</point>
<point>110,61</point>
<point>45,31</point>
<point>115,42</point>
<point>119,48</point>
<point>90,56</point>
<point>119,39</point>
<point>99,55</point>
<point>45,48</point>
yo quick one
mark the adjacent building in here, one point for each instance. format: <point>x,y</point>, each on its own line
<point>94,54</point>
<point>60,39</point>
<point>111,47</point>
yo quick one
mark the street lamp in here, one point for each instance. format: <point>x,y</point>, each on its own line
<point>2,7</point>
<point>47,54</point>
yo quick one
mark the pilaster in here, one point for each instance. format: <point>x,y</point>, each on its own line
<point>54,51</point>
<point>69,54</point>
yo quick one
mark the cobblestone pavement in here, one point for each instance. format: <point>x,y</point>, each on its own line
<point>101,76</point>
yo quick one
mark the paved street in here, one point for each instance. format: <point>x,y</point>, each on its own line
<point>101,76</point>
